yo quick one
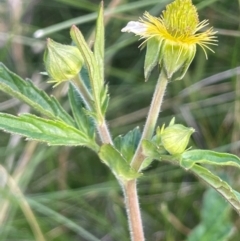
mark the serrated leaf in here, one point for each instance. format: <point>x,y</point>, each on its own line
<point>127,144</point>
<point>116,162</point>
<point>84,122</point>
<point>99,43</point>
<point>152,56</point>
<point>25,91</point>
<point>215,220</point>
<point>43,130</point>
<point>232,196</point>
<point>219,185</point>
<point>189,158</point>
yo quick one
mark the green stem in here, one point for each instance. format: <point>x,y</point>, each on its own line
<point>133,210</point>
<point>104,133</point>
<point>85,94</point>
<point>151,119</point>
<point>87,98</point>
<point>130,187</point>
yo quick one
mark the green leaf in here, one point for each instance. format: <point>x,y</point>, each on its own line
<point>49,131</point>
<point>153,152</point>
<point>189,158</point>
<point>25,91</point>
<point>104,98</point>
<point>85,77</point>
<point>127,144</point>
<point>80,42</point>
<point>232,196</point>
<point>84,122</point>
<point>99,57</point>
<point>152,56</point>
<point>215,222</point>
<point>116,162</point>
<point>150,149</point>
<point>92,66</point>
<point>99,43</point>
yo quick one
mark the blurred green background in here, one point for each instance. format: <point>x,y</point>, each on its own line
<point>71,193</point>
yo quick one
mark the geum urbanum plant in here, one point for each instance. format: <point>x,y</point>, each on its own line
<point>171,41</point>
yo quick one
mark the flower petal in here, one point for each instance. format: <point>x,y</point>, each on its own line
<point>135,27</point>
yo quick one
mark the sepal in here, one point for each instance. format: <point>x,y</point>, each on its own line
<point>151,57</point>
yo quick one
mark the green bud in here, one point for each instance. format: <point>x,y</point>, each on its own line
<point>175,138</point>
<point>62,62</point>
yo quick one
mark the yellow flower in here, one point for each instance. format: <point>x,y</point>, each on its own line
<point>176,35</point>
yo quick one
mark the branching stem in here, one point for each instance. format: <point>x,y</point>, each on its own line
<point>130,187</point>
<point>88,101</point>
<point>151,119</point>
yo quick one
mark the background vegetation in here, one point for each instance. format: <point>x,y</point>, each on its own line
<point>69,189</point>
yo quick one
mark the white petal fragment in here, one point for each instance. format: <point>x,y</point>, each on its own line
<point>135,27</point>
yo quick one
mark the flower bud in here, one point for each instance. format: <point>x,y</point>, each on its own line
<point>175,138</point>
<point>62,62</point>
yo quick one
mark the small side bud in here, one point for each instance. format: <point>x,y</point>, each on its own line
<point>175,138</point>
<point>62,62</point>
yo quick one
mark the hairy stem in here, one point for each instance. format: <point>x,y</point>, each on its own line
<point>85,94</point>
<point>151,119</point>
<point>104,133</point>
<point>87,98</point>
<point>130,187</point>
<point>133,210</point>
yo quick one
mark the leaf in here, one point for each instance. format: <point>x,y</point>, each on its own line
<point>99,57</point>
<point>153,152</point>
<point>85,78</point>
<point>152,56</point>
<point>92,66</point>
<point>128,144</point>
<point>215,222</point>
<point>189,158</point>
<point>49,131</point>
<point>84,122</point>
<point>80,42</point>
<point>25,91</point>
<point>99,43</point>
<point>232,196</point>
<point>116,162</point>
<point>104,98</point>
<point>150,150</point>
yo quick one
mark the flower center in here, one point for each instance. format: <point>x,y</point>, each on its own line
<point>180,18</point>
